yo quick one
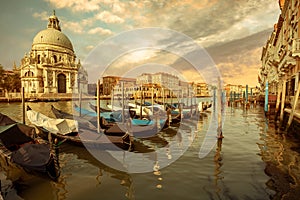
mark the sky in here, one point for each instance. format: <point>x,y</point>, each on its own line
<point>124,38</point>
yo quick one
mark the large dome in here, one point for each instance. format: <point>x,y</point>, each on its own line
<point>52,36</point>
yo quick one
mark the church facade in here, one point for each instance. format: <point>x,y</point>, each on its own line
<point>51,66</point>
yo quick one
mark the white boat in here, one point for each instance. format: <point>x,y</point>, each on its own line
<point>61,126</point>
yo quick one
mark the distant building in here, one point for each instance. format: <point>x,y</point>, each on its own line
<point>165,80</point>
<point>201,89</point>
<point>50,66</point>
<point>144,78</point>
<point>109,82</point>
<point>112,83</point>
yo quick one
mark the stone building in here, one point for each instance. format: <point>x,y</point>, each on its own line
<point>281,54</point>
<point>51,66</point>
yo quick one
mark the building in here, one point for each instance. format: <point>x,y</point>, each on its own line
<point>281,54</point>
<point>201,90</point>
<point>51,66</point>
<point>108,83</point>
<point>144,78</point>
<point>112,84</point>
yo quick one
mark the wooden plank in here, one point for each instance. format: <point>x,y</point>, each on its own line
<point>294,105</point>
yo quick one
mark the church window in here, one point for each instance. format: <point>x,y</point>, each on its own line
<point>39,59</point>
<point>29,74</point>
<point>55,59</point>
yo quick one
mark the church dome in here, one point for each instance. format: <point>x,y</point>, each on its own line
<point>52,36</point>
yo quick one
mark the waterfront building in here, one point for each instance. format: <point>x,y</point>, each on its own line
<point>163,79</point>
<point>109,82</point>
<point>144,78</point>
<point>201,89</point>
<point>236,90</point>
<point>51,67</point>
<point>281,54</point>
<point>129,85</point>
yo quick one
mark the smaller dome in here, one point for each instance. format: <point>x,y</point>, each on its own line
<point>51,36</point>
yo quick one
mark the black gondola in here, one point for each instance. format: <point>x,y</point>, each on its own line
<point>21,147</point>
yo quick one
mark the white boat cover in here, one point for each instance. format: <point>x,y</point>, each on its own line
<point>61,126</point>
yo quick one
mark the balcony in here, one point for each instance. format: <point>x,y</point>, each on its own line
<point>296,47</point>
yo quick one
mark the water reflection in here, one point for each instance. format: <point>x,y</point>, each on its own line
<point>75,159</point>
<point>218,159</point>
<point>282,162</point>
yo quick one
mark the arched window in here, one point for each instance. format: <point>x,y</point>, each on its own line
<point>29,74</point>
<point>55,59</point>
<point>39,59</point>
<point>61,83</point>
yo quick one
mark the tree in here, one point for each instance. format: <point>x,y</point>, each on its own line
<point>1,77</point>
<point>9,82</point>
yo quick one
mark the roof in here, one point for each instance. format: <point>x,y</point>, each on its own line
<point>52,36</point>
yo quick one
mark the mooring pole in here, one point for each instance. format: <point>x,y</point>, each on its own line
<point>23,104</point>
<point>282,100</point>
<point>219,110</point>
<point>266,97</point>
<point>296,97</point>
<point>80,101</point>
<point>98,106</point>
<point>123,102</point>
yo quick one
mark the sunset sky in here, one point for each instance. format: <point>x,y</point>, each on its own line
<point>232,32</point>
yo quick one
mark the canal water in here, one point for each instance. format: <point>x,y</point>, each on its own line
<point>254,160</point>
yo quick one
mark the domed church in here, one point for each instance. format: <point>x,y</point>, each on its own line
<point>50,66</point>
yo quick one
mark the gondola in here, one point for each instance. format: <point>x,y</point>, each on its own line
<point>112,116</point>
<point>94,108</point>
<point>118,129</point>
<point>139,128</point>
<point>21,148</point>
<point>86,135</point>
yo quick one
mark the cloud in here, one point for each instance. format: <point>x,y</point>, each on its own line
<point>89,47</point>
<point>239,60</point>
<point>43,15</point>
<point>109,18</point>
<point>77,5</point>
<point>101,31</point>
<point>75,27</point>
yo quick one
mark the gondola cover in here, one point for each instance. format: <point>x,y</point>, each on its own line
<point>35,157</point>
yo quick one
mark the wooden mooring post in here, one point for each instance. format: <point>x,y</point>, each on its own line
<point>294,106</point>
<point>23,105</point>
<point>219,110</point>
<point>267,98</point>
<point>282,100</point>
<point>98,106</point>
<point>278,98</point>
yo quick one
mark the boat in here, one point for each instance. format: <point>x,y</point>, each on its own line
<point>61,126</point>
<point>32,100</point>
<point>113,116</point>
<point>94,108</point>
<point>22,149</point>
<point>86,135</point>
<point>137,127</point>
